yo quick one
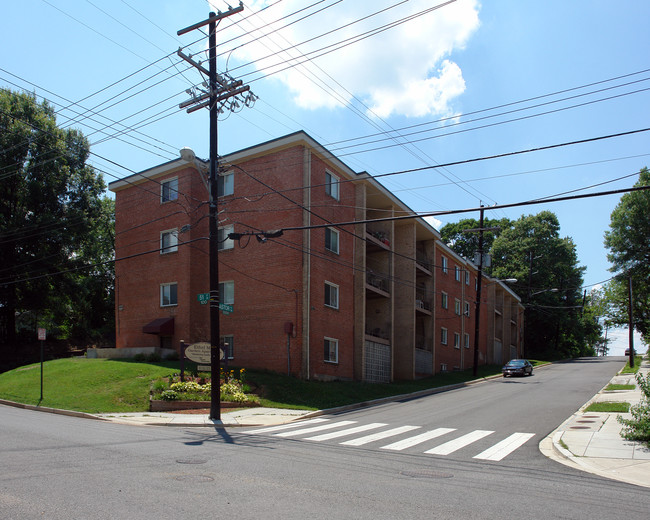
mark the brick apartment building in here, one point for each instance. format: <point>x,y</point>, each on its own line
<point>373,301</point>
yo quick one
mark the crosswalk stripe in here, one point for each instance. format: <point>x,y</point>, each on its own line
<point>417,439</point>
<point>343,433</point>
<point>505,447</point>
<point>284,426</point>
<point>378,436</point>
<point>314,429</point>
<point>460,442</point>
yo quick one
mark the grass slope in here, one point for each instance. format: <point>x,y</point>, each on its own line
<point>110,386</point>
<point>85,385</point>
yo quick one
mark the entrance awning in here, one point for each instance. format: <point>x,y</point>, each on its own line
<point>162,326</point>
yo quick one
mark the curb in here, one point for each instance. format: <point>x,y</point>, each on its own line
<point>58,411</point>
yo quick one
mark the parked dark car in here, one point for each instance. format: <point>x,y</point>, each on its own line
<point>517,367</point>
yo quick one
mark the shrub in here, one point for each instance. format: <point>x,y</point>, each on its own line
<point>174,356</point>
<point>140,357</point>
<point>154,357</point>
<point>638,427</point>
<point>169,395</point>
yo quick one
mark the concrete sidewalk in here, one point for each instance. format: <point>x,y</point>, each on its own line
<point>592,442</point>
<point>244,417</point>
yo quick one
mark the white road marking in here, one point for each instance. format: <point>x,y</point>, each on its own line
<point>343,433</point>
<point>285,426</point>
<point>505,447</point>
<point>378,436</point>
<point>314,429</point>
<point>418,439</point>
<point>460,442</point>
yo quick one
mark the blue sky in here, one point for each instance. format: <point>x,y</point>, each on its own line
<point>445,70</point>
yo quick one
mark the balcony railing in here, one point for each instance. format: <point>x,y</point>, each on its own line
<point>377,281</point>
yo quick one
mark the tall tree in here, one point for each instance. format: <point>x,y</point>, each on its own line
<point>549,282</point>
<point>50,209</point>
<point>628,241</point>
<point>460,239</point>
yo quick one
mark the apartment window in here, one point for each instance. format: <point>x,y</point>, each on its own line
<point>169,190</point>
<point>332,240</point>
<point>445,266</point>
<point>222,237</point>
<point>443,336</point>
<point>456,340</point>
<point>467,309</point>
<point>332,185</point>
<point>228,345</point>
<point>457,273</point>
<point>227,292</point>
<point>457,306</point>
<point>466,277</point>
<point>466,340</point>
<point>168,241</point>
<point>168,295</point>
<point>331,350</point>
<point>444,300</point>
<point>226,184</point>
<point>331,295</point>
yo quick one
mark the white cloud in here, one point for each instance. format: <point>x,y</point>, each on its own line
<point>433,221</point>
<point>406,70</point>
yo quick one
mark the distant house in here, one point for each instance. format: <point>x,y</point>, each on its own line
<point>380,300</point>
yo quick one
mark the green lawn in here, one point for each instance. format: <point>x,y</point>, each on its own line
<point>85,385</point>
<point>609,407</point>
<point>637,365</point>
<point>110,386</point>
<point>613,387</point>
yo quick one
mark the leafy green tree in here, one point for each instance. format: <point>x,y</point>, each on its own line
<point>628,241</point>
<point>549,282</point>
<point>464,242</point>
<point>54,221</point>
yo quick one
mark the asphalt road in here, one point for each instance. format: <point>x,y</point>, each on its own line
<point>58,467</point>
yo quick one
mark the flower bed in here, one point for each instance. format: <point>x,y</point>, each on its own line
<point>194,393</point>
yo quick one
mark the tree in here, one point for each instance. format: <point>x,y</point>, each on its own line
<point>464,242</point>
<point>549,282</point>
<point>52,215</point>
<point>628,241</point>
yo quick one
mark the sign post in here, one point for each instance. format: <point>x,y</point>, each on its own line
<point>42,334</point>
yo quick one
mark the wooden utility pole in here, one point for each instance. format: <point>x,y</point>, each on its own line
<point>219,90</point>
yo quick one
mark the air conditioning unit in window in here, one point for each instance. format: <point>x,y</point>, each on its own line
<point>419,304</point>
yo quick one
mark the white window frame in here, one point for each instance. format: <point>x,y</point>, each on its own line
<point>457,273</point>
<point>457,306</point>
<point>332,185</point>
<point>172,247</point>
<point>169,190</point>
<point>166,292</point>
<point>231,345</point>
<point>328,302</point>
<point>226,184</point>
<point>444,300</point>
<point>227,292</point>
<point>332,233</point>
<point>467,277</point>
<point>467,309</point>
<point>456,340</point>
<point>223,242</point>
<point>445,265</point>
<point>466,340</point>
<point>331,342</point>
<point>443,335</point>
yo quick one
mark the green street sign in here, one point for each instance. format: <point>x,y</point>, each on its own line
<point>226,308</point>
<point>203,298</point>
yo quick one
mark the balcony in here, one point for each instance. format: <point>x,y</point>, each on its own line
<point>422,263</point>
<point>423,302</point>
<point>376,285</point>
<point>377,240</point>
